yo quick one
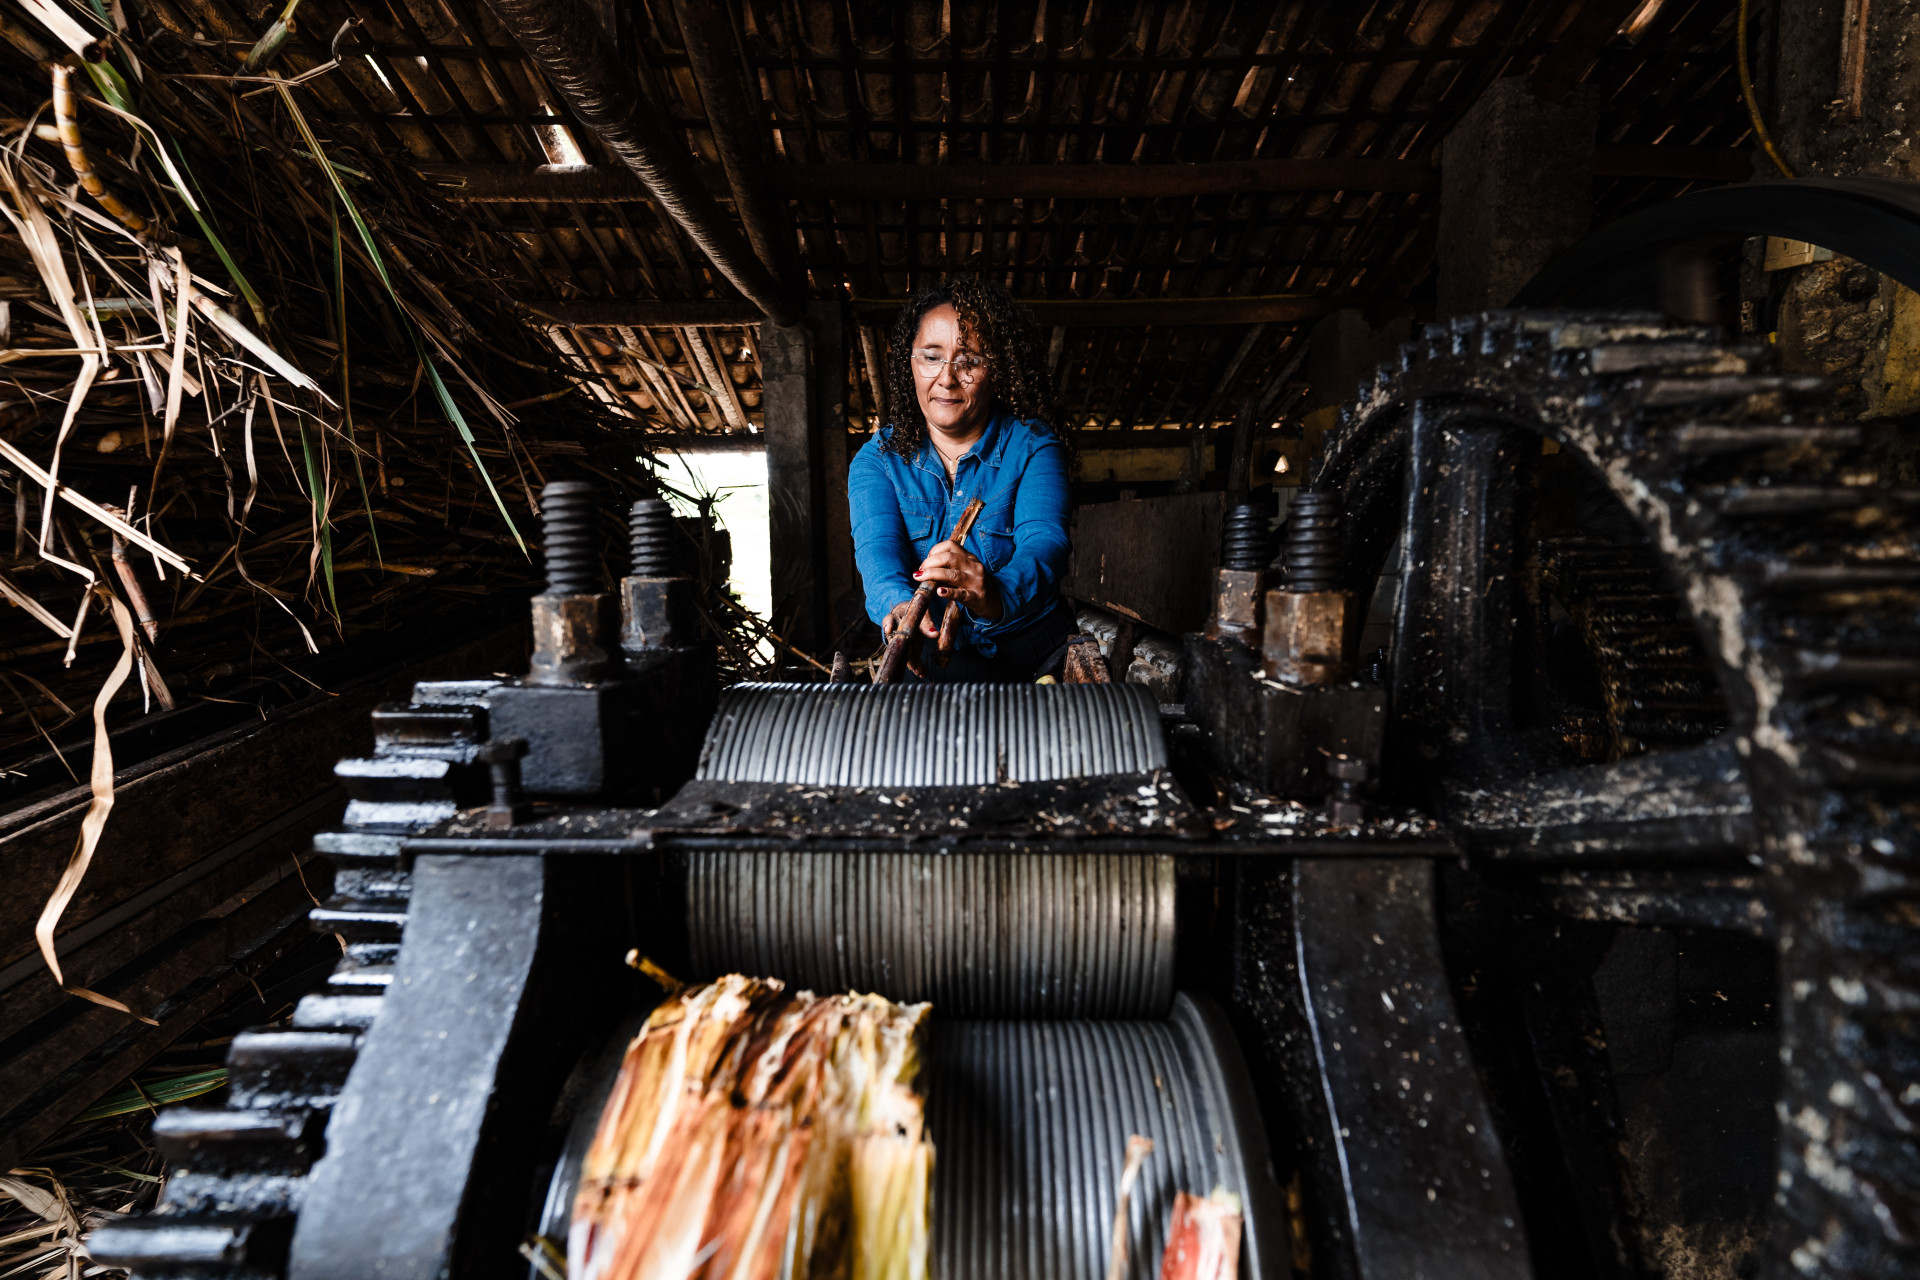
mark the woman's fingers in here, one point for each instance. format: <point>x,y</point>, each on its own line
<point>928,627</point>
<point>945,555</point>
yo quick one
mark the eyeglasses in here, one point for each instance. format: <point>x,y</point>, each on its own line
<point>966,364</point>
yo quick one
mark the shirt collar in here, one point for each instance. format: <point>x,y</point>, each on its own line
<point>988,448</point>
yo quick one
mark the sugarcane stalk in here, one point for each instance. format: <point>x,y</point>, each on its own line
<point>895,656</point>
<point>66,119</point>
<point>949,634</point>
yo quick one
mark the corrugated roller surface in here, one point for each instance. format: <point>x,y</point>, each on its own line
<point>1010,935</point>
<point>931,735</point>
<point>1030,1123</point>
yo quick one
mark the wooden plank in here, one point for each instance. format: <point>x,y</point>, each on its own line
<point>590,184</point>
<point>1149,558</point>
<point>171,811</point>
<point>595,313</point>
<point>1102,312</point>
<point>1574,54</point>
<point>265,930</point>
<point>1141,466</point>
<point>48,1047</point>
<point>110,942</point>
<point>745,442</point>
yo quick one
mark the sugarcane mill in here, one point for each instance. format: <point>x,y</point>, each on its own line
<point>1167,640</point>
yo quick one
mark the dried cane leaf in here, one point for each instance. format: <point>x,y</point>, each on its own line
<point>95,821</point>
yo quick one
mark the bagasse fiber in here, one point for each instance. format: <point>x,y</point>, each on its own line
<point>753,1133</point>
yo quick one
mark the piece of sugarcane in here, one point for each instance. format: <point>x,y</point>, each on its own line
<point>66,118</point>
<point>895,656</point>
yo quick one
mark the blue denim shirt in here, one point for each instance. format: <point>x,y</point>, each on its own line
<point>900,509</point>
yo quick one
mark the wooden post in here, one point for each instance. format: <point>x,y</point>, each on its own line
<point>827,321</point>
<point>1516,187</point>
<point>803,374</point>
<point>795,514</point>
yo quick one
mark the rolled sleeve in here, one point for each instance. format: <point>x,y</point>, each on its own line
<point>881,546</point>
<point>1029,581</point>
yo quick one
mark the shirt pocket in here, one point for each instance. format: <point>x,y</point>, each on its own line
<point>919,516</point>
<point>993,533</point>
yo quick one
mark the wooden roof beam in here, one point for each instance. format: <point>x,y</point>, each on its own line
<point>713,54</point>
<point>565,40</point>
<point>1574,54</point>
<point>1096,313</point>
<point>588,184</point>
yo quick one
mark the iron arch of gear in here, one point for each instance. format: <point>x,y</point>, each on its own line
<point>1799,565</point>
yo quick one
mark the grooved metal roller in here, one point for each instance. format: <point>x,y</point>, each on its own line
<point>1057,1030</point>
<point>931,735</point>
<point>1007,935</point>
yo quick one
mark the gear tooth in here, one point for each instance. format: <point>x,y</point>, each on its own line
<point>1407,356</point>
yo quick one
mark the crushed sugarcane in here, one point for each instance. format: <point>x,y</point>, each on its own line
<point>1138,1149</point>
<point>753,1133</point>
<point>1204,1241</point>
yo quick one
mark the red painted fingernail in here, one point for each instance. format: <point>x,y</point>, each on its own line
<point>916,573</point>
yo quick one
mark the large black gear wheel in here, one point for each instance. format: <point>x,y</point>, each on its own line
<point>1798,563</point>
<point>238,1171</point>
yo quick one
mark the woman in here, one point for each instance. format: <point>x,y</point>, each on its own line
<point>973,417</point>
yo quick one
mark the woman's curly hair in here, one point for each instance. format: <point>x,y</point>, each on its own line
<point>995,326</point>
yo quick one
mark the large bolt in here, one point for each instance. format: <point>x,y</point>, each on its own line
<point>566,517</point>
<point>650,526</point>
<point>1311,554</point>
<point>1344,806</point>
<point>569,632</point>
<point>502,756</point>
<point>1246,544</point>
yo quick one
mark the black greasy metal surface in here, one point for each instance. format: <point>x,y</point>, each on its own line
<point>931,735</point>
<point>423,1168</point>
<point>1458,596</point>
<point>1421,1172</point>
<point>1139,804</point>
<point>1793,562</point>
<point>1030,1122</point>
<point>1000,935</point>
<point>580,738</point>
<point>1676,804</point>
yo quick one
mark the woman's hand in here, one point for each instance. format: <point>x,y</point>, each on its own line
<point>961,578</point>
<point>897,618</point>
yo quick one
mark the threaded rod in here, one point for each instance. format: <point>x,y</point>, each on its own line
<point>1311,553</point>
<point>650,526</point>
<point>566,517</point>
<point>1245,541</point>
